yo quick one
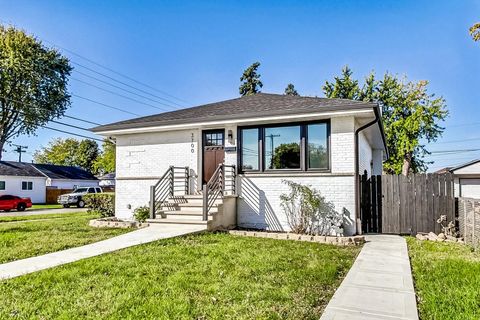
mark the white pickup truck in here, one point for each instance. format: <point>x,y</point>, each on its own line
<point>76,197</point>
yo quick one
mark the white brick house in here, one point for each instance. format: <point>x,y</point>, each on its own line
<point>267,138</point>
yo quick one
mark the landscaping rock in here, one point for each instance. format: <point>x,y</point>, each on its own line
<point>320,239</point>
<point>421,237</point>
<point>432,236</point>
<point>451,238</point>
<point>442,236</point>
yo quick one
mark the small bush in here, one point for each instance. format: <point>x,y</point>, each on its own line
<point>141,213</point>
<point>103,203</point>
<point>308,212</point>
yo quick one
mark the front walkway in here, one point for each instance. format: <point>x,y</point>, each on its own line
<point>152,233</point>
<point>378,286</point>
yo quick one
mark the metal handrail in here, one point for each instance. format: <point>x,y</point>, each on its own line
<point>165,187</point>
<point>215,187</point>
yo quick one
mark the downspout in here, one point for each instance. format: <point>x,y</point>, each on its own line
<point>357,165</point>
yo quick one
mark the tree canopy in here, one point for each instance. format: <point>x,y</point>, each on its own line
<point>475,31</point>
<point>290,90</point>
<point>251,82</point>
<point>69,152</point>
<point>410,115</point>
<point>105,162</point>
<point>33,84</point>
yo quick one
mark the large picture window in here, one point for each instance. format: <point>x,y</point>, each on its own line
<point>303,146</point>
<point>282,147</point>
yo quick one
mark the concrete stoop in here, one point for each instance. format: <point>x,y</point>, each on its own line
<point>188,209</point>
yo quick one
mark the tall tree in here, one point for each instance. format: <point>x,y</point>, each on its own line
<point>33,84</point>
<point>251,82</point>
<point>105,162</point>
<point>69,152</point>
<point>475,31</point>
<point>86,155</point>
<point>410,115</point>
<point>290,90</point>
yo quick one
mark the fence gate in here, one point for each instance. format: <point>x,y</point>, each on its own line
<point>405,204</point>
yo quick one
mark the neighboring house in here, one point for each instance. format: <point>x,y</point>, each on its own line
<point>23,180</point>
<point>319,142</point>
<point>31,180</point>
<point>107,180</point>
<point>466,179</point>
<point>66,177</point>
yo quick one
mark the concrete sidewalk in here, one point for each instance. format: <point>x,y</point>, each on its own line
<point>152,233</point>
<point>378,286</point>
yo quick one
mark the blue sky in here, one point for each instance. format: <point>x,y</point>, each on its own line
<point>196,50</point>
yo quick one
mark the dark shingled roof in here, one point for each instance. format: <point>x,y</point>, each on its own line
<point>260,104</point>
<point>64,172</point>
<point>20,169</point>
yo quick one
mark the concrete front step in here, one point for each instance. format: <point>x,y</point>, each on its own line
<point>187,209</point>
<point>178,221</point>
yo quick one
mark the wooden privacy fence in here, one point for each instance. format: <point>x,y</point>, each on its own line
<point>53,193</point>
<point>469,220</point>
<point>405,204</point>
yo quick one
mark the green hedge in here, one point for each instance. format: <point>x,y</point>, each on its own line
<point>103,203</point>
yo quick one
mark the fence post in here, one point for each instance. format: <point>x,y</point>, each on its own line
<point>205,203</point>
<point>152,202</point>
<point>464,218</point>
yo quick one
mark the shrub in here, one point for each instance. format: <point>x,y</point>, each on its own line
<point>141,213</point>
<point>103,203</point>
<point>308,212</point>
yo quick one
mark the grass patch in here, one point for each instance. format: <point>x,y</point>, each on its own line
<point>208,276</point>
<point>447,279</point>
<point>46,216</point>
<point>45,206</point>
<point>21,239</point>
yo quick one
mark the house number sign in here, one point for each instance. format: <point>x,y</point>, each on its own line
<point>192,145</point>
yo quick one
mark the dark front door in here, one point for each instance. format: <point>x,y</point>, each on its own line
<point>213,152</point>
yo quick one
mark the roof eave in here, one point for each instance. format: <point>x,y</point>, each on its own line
<point>189,125</point>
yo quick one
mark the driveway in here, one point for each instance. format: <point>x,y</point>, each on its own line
<point>30,212</point>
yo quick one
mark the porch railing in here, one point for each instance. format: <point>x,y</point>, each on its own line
<point>174,180</point>
<point>221,183</point>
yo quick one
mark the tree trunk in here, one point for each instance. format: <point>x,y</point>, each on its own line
<point>407,163</point>
<point>2,143</point>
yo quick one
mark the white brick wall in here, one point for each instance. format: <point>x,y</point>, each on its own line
<point>342,141</point>
<point>143,158</point>
<point>364,155</point>
<point>259,201</point>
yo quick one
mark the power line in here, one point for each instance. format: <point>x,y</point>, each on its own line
<point>105,105</point>
<point>118,94</point>
<point>118,87</point>
<point>116,72</point>
<point>71,133</point>
<point>65,116</point>
<point>20,149</point>
<point>123,83</point>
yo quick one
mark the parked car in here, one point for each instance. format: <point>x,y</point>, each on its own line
<point>76,197</point>
<point>9,202</point>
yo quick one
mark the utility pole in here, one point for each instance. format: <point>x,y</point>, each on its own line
<point>20,149</point>
<point>271,136</point>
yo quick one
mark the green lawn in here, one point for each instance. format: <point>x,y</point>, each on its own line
<point>447,280</point>
<point>45,206</point>
<point>207,276</point>
<point>21,239</point>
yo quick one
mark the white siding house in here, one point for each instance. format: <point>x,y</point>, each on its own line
<point>66,177</point>
<point>466,179</point>
<point>268,138</point>
<point>21,179</point>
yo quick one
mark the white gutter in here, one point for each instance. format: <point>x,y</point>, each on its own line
<point>223,122</point>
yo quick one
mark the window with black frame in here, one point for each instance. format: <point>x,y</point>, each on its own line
<point>250,155</point>
<point>283,148</point>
